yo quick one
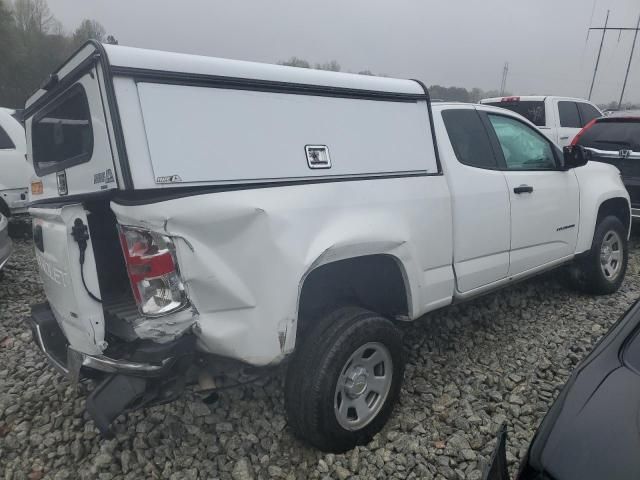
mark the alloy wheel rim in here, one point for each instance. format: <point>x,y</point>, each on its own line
<point>363,386</point>
<point>611,255</point>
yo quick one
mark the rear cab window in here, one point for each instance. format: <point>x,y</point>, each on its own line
<point>62,134</point>
<point>569,115</point>
<point>469,138</point>
<point>532,110</point>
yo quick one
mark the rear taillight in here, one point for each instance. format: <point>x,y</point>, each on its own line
<point>153,271</point>
<point>581,132</point>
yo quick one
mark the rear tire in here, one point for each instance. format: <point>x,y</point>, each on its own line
<point>344,379</point>
<point>602,271</point>
<point>4,209</point>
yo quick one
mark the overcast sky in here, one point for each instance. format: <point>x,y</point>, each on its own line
<point>448,42</point>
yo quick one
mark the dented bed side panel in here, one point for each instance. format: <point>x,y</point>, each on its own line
<point>245,254</point>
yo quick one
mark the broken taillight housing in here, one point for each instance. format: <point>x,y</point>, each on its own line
<point>153,271</point>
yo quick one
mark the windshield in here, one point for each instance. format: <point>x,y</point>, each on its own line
<point>613,135</point>
<point>533,111</point>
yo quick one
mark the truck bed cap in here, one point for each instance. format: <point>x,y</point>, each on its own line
<point>139,58</point>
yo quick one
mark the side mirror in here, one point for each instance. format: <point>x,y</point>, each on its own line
<point>575,156</point>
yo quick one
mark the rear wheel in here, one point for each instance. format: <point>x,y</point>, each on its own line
<point>602,271</point>
<point>4,209</point>
<point>344,379</point>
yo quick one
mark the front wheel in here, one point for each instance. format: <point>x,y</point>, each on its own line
<point>602,271</point>
<point>344,379</point>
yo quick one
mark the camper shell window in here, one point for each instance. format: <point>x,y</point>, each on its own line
<point>61,134</point>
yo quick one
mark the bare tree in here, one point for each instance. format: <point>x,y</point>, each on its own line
<point>89,30</point>
<point>33,16</point>
<point>332,66</point>
<point>295,62</point>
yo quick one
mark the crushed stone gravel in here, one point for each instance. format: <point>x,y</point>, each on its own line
<point>471,367</point>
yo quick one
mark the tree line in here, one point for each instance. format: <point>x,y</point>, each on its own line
<point>436,92</point>
<point>33,43</point>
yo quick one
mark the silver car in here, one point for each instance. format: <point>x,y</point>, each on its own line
<point>5,242</point>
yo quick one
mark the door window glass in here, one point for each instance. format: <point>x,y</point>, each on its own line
<point>469,138</point>
<point>5,141</point>
<point>588,112</point>
<point>569,116</point>
<point>62,134</point>
<point>522,146</point>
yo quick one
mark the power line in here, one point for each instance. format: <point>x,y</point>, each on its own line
<point>633,46</point>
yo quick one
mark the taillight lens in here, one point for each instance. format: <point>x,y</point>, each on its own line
<point>153,271</point>
<point>581,132</point>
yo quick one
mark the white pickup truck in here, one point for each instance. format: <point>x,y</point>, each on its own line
<point>559,118</point>
<point>14,170</point>
<point>196,219</point>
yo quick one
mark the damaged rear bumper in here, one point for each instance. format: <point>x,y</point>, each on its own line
<point>146,373</point>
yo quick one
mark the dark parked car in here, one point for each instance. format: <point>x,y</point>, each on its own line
<point>616,140</point>
<point>592,430</point>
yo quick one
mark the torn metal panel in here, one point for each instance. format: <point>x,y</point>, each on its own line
<point>246,253</point>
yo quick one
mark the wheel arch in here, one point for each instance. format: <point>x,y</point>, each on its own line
<point>617,207</point>
<point>376,281</point>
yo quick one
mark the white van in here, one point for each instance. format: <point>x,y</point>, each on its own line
<point>15,172</point>
<point>559,118</point>
<point>197,220</point>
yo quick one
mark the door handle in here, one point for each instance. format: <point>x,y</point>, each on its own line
<point>564,138</point>
<point>523,189</point>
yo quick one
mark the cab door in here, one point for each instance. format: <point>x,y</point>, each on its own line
<point>479,199</point>
<point>544,200</point>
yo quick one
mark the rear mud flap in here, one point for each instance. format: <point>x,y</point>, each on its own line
<point>116,394</point>
<point>497,469</point>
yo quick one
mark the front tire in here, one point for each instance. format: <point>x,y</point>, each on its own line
<point>344,379</point>
<point>602,271</point>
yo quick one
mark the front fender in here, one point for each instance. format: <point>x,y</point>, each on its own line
<point>598,182</point>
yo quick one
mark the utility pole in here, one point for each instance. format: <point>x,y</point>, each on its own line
<point>626,76</point>
<point>595,70</point>
<point>505,72</point>
<point>633,46</point>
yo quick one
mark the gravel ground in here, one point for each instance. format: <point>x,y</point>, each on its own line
<point>471,367</point>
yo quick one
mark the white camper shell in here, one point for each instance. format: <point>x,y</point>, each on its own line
<point>194,214</point>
